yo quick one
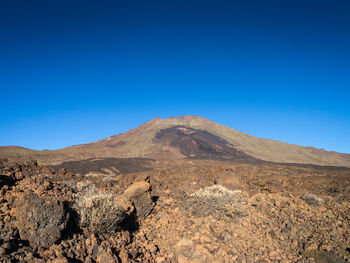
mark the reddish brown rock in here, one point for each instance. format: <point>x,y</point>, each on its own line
<point>106,256</point>
<point>140,194</point>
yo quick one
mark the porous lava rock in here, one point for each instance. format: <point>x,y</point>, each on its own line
<point>40,220</point>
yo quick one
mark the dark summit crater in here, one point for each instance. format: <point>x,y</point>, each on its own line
<point>200,144</point>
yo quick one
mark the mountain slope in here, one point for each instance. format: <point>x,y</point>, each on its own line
<point>192,137</point>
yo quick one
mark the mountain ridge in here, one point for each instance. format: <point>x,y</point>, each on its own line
<point>203,136</point>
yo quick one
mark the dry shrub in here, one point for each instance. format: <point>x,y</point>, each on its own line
<point>233,210</point>
<point>312,199</point>
<point>216,200</point>
<point>216,191</point>
<point>99,212</point>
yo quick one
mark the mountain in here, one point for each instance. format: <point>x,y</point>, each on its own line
<point>185,137</point>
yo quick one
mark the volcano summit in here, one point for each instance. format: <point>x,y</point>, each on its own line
<point>185,137</point>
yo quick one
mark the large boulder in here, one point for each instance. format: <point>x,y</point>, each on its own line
<point>40,220</point>
<point>140,194</point>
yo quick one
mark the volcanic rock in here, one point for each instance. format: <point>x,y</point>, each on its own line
<point>106,256</point>
<point>207,211</point>
<point>40,220</point>
<point>140,194</point>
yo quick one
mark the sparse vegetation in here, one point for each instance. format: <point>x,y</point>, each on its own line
<point>193,218</point>
<point>312,199</point>
<point>217,200</point>
<point>233,210</point>
<point>99,212</point>
<point>216,191</point>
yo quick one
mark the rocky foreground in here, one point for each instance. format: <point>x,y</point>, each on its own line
<point>203,212</point>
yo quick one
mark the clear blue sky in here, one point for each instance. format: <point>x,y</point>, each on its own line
<point>72,72</point>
